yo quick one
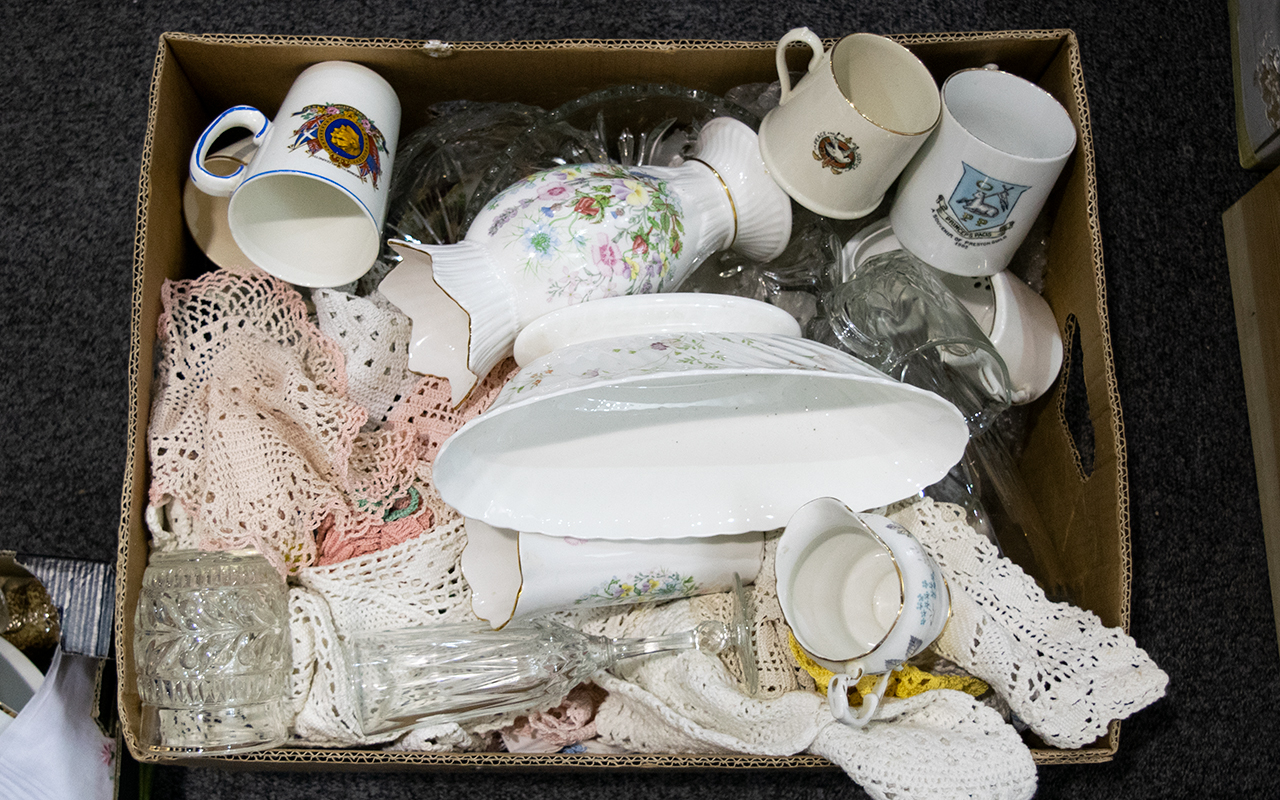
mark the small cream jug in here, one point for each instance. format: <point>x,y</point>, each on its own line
<point>861,596</point>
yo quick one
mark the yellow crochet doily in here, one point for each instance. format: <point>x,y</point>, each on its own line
<point>906,680</point>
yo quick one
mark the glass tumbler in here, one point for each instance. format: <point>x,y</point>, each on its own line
<point>213,653</point>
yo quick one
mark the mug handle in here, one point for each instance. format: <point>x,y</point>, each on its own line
<point>780,57</point>
<point>234,117</point>
<point>838,698</point>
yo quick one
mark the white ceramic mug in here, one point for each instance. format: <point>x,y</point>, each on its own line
<point>860,594</point>
<point>309,206</point>
<point>517,574</point>
<point>839,139</point>
<point>969,197</point>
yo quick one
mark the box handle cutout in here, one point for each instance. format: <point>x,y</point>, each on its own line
<point>1073,403</point>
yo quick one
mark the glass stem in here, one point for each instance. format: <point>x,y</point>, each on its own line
<point>629,648</point>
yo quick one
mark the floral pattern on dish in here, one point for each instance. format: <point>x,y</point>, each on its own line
<point>588,363</point>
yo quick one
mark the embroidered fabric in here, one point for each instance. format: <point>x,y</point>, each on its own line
<point>1059,668</point>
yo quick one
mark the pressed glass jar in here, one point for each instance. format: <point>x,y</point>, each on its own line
<point>213,653</point>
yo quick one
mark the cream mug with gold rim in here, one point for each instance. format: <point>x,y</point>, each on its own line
<point>838,140</point>
<point>861,596</point>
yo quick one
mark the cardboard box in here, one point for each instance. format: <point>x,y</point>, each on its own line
<point>1081,491</point>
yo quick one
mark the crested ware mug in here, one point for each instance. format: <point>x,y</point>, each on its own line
<point>969,197</point>
<point>839,139</point>
<point>309,206</point>
<point>861,596</point>
<point>576,233</point>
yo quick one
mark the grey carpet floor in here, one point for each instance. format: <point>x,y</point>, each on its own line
<point>74,102</point>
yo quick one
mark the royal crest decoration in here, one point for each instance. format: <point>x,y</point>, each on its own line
<point>349,138</point>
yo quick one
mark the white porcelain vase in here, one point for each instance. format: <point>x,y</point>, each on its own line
<point>518,574</point>
<point>578,233</point>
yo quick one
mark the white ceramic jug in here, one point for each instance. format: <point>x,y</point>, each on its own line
<point>861,596</point>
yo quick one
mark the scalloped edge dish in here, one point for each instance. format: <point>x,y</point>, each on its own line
<point>667,313</point>
<point>693,434</point>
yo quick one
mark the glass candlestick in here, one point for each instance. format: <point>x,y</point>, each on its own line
<point>427,675</point>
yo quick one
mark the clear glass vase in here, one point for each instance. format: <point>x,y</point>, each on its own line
<point>427,675</point>
<point>213,653</point>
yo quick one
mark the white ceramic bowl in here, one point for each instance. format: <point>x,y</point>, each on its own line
<point>693,434</point>
<point>672,312</point>
<point>1017,320</point>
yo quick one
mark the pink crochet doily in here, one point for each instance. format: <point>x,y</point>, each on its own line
<point>253,434</point>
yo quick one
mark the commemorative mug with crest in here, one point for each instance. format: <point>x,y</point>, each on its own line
<point>969,197</point>
<point>310,204</point>
<point>861,596</point>
<point>837,141</point>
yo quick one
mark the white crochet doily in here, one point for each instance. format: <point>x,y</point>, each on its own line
<point>1062,672</point>
<point>942,744</point>
<point>374,339</point>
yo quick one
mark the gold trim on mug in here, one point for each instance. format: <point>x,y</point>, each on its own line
<point>831,65</point>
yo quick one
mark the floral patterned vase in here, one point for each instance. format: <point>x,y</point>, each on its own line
<point>578,233</point>
<point>516,574</point>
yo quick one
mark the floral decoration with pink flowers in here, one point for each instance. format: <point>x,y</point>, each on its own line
<point>627,224</point>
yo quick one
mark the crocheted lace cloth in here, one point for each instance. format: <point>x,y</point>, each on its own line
<point>941,743</point>
<point>416,582</point>
<point>267,430</point>
<point>1061,671</point>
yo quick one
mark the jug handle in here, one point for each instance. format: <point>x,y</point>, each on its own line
<point>838,698</point>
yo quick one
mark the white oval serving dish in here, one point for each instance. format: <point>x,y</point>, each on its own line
<point>693,434</point>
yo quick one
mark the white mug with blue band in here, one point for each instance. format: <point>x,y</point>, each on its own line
<point>309,206</point>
